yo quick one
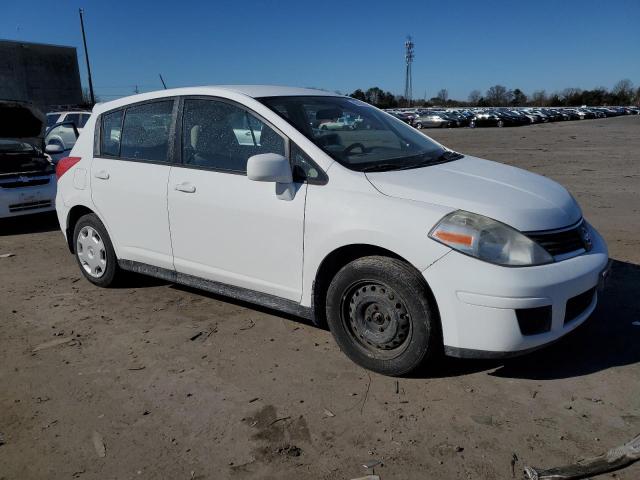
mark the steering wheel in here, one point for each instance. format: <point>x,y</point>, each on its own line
<point>353,146</point>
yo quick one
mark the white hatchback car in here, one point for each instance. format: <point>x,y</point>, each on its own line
<point>404,247</point>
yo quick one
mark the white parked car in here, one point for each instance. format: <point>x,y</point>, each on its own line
<point>404,247</point>
<point>27,180</point>
<point>79,118</point>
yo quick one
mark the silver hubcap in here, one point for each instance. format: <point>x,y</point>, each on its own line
<point>91,252</point>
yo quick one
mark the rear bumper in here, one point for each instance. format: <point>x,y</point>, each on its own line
<point>481,305</point>
<point>26,200</point>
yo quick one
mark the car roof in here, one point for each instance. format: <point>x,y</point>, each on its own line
<point>252,91</point>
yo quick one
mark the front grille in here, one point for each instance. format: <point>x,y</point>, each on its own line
<point>559,242</point>
<point>578,304</point>
<point>21,207</point>
<point>25,182</point>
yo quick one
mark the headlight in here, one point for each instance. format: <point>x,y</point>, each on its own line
<point>488,240</point>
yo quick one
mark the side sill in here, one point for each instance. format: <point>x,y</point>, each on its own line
<point>231,291</point>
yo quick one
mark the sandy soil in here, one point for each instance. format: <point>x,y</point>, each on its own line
<point>158,381</point>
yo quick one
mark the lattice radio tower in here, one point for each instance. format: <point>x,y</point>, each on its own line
<point>408,47</point>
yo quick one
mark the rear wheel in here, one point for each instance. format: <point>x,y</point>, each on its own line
<point>419,126</point>
<point>500,123</point>
<point>380,314</point>
<point>94,251</point>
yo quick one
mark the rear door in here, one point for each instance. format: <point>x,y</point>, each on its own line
<point>225,227</point>
<point>129,175</point>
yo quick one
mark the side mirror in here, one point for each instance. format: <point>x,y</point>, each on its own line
<point>54,148</point>
<point>269,167</point>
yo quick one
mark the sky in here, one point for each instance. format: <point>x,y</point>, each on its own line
<point>341,45</point>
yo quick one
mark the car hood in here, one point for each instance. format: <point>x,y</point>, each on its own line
<point>521,199</point>
<point>18,120</point>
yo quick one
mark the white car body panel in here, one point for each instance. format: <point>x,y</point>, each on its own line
<point>349,211</point>
<point>132,202</point>
<point>521,199</point>
<point>238,232</point>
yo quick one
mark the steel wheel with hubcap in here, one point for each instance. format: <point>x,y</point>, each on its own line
<point>94,251</point>
<point>91,252</point>
<point>379,311</point>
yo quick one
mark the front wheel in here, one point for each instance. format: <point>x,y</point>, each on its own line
<point>94,251</point>
<point>500,123</point>
<point>379,312</point>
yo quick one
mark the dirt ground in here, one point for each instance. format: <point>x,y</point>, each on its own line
<point>178,384</point>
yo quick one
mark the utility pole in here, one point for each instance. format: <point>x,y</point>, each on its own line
<point>408,56</point>
<point>86,56</point>
<point>162,80</point>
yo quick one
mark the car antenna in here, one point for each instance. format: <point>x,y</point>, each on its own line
<point>162,80</point>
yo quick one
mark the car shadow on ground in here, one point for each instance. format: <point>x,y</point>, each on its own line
<point>608,339</point>
<point>35,223</point>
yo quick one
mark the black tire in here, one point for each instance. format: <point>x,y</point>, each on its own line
<point>500,124</point>
<point>111,273</point>
<point>419,126</point>
<point>380,313</point>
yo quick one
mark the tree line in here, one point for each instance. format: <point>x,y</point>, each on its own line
<point>622,93</point>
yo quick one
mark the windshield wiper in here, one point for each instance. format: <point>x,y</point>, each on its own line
<point>446,156</point>
<point>382,167</point>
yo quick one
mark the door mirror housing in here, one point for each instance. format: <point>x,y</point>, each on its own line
<point>53,148</point>
<point>269,167</point>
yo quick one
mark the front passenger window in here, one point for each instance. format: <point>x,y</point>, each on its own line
<point>222,136</point>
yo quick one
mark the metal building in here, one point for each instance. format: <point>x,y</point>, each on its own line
<point>46,75</point>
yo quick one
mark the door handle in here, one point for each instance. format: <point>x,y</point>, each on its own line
<point>102,175</point>
<point>186,187</point>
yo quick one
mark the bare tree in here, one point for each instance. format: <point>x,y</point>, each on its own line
<point>571,96</point>
<point>539,98</point>
<point>498,95</point>
<point>443,96</point>
<point>623,91</point>
<point>474,97</point>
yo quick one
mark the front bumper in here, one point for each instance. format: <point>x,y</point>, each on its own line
<point>29,199</point>
<point>478,301</point>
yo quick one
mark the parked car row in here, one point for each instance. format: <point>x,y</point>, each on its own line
<point>502,116</point>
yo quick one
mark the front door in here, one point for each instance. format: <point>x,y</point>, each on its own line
<point>225,227</point>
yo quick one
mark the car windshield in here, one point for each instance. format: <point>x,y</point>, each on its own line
<point>357,135</point>
<point>15,146</point>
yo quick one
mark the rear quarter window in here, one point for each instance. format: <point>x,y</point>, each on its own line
<point>111,133</point>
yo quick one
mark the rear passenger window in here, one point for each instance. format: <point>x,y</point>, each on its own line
<point>111,130</point>
<point>221,136</point>
<point>145,133</point>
